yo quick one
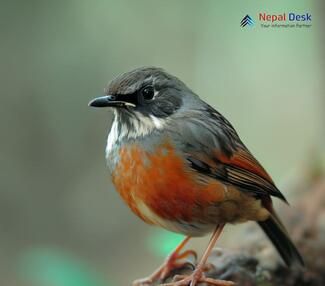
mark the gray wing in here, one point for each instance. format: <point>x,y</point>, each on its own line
<point>212,147</point>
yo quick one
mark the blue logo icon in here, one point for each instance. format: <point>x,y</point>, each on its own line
<point>247,20</point>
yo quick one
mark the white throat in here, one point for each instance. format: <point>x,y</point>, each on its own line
<point>138,126</point>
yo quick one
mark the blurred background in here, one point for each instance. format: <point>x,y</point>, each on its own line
<point>61,222</point>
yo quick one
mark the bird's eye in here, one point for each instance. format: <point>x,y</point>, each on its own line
<point>148,92</point>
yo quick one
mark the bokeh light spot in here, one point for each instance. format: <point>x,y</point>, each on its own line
<point>162,242</point>
<point>50,266</point>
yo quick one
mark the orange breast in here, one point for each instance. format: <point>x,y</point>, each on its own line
<point>161,182</point>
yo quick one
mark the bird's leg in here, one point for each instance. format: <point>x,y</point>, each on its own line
<point>170,264</point>
<point>198,276</point>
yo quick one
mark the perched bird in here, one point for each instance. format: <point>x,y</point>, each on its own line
<point>179,164</point>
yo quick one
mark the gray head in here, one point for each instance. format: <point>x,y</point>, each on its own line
<point>145,92</point>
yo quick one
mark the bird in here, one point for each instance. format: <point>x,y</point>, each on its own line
<point>179,164</point>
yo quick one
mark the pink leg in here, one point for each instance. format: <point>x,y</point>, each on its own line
<point>171,263</point>
<point>198,276</point>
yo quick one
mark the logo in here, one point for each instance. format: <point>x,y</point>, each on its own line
<point>279,20</point>
<point>247,20</point>
<point>284,17</point>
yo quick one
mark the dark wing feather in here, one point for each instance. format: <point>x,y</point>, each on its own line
<point>222,154</point>
<point>247,176</point>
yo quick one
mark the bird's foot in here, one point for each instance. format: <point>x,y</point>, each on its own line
<point>174,261</point>
<point>195,278</point>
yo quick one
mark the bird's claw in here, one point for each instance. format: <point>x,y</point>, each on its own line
<point>193,280</point>
<point>186,259</point>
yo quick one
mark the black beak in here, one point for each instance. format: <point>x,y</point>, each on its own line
<point>109,101</point>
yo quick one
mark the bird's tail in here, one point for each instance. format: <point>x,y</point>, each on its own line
<point>276,232</point>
